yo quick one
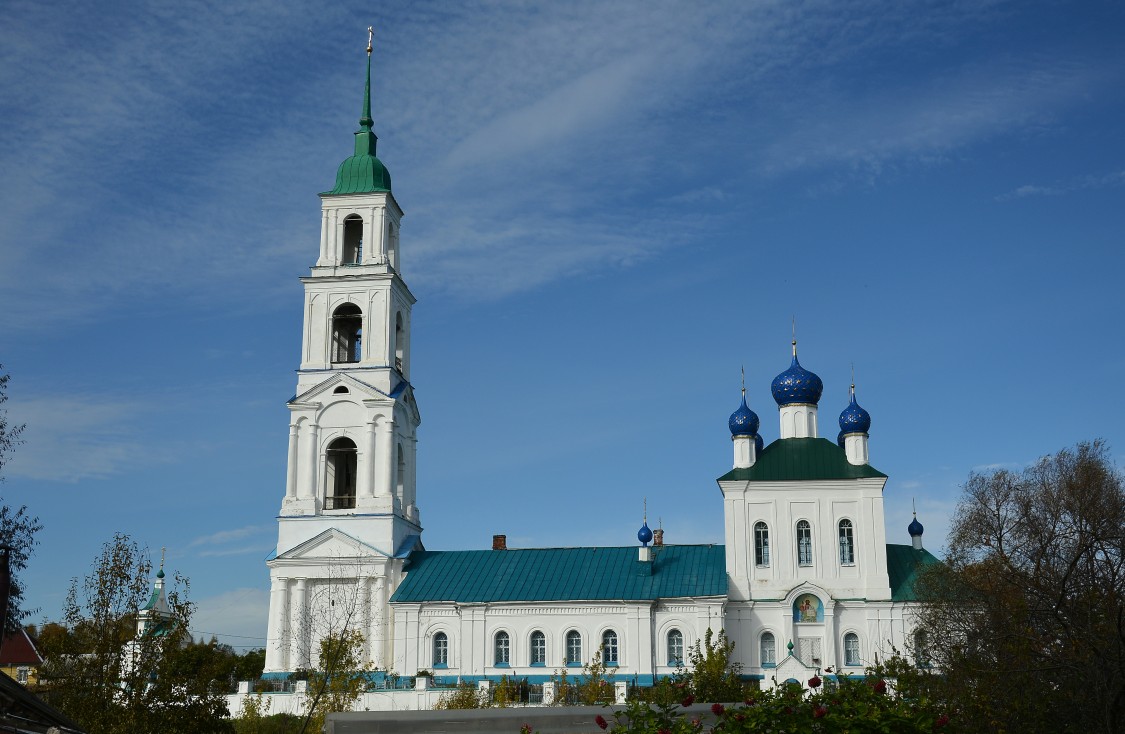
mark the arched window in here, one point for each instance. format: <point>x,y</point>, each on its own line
<point>441,650</point>
<point>341,390</point>
<point>769,650</point>
<point>675,647</point>
<point>502,649</point>
<point>804,543</point>
<point>341,464</point>
<point>538,648</point>
<point>347,334</point>
<point>609,647</point>
<point>574,648</point>
<point>921,653</point>
<point>398,342</point>
<point>352,253</point>
<point>847,543</point>
<point>851,649</point>
<point>761,544</point>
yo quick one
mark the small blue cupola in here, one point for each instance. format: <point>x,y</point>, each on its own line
<point>854,419</point>
<point>743,422</point>
<point>915,529</point>
<point>644,534</point>
<point>796,384</point>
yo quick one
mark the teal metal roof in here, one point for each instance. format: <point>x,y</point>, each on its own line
<point>903,565</point>
<point>562,574</point>
<point>802,459</point>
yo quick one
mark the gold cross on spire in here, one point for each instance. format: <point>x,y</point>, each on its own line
<point>370,38</point>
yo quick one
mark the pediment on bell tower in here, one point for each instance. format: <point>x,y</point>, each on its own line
<point>342,383</point>
<point>333,544</point>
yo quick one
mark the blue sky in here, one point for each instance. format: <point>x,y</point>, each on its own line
<point>610,207</point>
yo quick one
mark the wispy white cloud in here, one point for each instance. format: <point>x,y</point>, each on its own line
<point>236,617</point>
<point>70,438</point>
<point>1079,183</point>
<point>226,536</point>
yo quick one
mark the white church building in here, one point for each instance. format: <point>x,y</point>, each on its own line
<point>805,580</point>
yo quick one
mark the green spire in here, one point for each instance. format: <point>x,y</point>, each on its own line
<point>363,172</point>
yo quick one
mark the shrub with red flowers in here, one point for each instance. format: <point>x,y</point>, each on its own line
<point>828,705</point>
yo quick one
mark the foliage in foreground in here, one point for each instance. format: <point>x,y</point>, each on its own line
<point>844,705</point>
<point>17,526</point>
<point>342,680</point>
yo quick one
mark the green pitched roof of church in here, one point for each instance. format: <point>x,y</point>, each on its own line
<point>596,574</point>
<point>903,566</point>
<point>563,574</point>
<point>363,173</point>
<point>802,459</point>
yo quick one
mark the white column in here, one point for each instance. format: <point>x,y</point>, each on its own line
<point>367,478</point>
<point>277,644</point>
<point>385,476</point>
<point>379,234</point>
<point>378,626</point>
<point>307,489</point>
<point>291,469</point>
<point>323,259</point>
<point>299,632</point>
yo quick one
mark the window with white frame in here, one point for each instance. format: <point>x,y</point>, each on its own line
<point>347,334</point>
<point>609,647</point>
<point>847,543</point>
<point>675,647</point>
<point>574,647</point>
<point>538,648</point>
<point>341,464</point>
<point>851,649</point>
<point>769,650</point>
<point>761,544</point>
<point>804,543</point>
<point>441,650</point>
<point>502,649</point>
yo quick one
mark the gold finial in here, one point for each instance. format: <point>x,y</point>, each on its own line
<point>794,336</point>
<point>162,549</point>
<point>370,38</point>
<point>646,511</point>
<point>914,507</point>
<point>743,381</point>
<point>853,379</point>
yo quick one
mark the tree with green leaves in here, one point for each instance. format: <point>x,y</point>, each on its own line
<point>1025,620</point>
<point>109,677</point>
<point>17,526</point>
<point>341,680</point>
<point>710,673</point>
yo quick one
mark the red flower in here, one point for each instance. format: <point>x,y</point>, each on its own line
<point>688,701</point>
<point>941,721</point>
<point>697,723</point>
<point>880,686</point>
<point>814,682</point>
<point>739,717</point>
<point>600,721</point>
<point>750,701</point>
<point>819,712</point>
<point>717,709</point>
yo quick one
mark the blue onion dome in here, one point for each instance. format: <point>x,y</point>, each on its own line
<point>796,384</point>
<point>854,419</point>
<point>840,439</point>
<point>915,528</point>
<point>743,422</point>
<point>644,534</point>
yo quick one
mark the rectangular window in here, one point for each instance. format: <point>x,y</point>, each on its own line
<point>538,649</point>
<point>573,648</point>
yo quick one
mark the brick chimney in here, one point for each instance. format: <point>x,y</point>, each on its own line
<point>658,537</point>
<point>499,542</point>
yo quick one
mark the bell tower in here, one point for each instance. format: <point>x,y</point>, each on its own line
<point>349,514</point>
